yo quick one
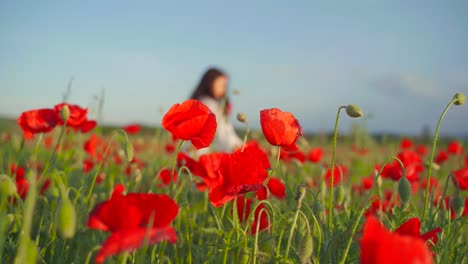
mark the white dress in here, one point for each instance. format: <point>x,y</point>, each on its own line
<point>226,138</point>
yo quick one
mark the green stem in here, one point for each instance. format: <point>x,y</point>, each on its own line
<point>270,173</point>
<point>332,166</point>
<point>98,170</point>
<point>245,136</point>
<point>429,171</point>
<point>291,232</point>
<point>28,209</point>
<point>174,164</point>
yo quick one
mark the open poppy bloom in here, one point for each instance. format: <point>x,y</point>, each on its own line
<point>78,115</point>
<point>315,155</point>
<point>455,148</point>
<point>378,245</point>
<point>280,128</point>
<point>239,173</point>
<point>191,120</point>
<point>132,219</point>
<point>411,228</point>
<point>38,121</point>
<point>462,178</point>
<point>132,129</point>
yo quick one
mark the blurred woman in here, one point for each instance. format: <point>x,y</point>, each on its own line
<point>212,91</point>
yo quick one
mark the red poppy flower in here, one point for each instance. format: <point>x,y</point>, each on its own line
<point>338,175</point>
<point>367,182</point>
<point>88,165</point>
<point>412,164</point>
<point>276,188</point>
<point>280,128</point>
<point>78,115</point>
<point>287,156</point>
<point>239,173</point>
<point>92,145</point>
<point>38,121</point>
<point>455,148</point>
<point>315,155</point>
<point>244,206</point>
<point>378,245</point>
<point>411,228</point>
<point>165,176</point>
<point>206,168</point>
<point>422,150</point>
<point>128,218</point>
<point>441,157</point>
<point>87,126</point>
<point>191,120</point>
<point>170,148</point>
<point>253,147</point>
<point>406,143</point>
<point>132,128</point>
<point>462,178</point>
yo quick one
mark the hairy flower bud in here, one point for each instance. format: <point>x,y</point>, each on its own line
<point>404,190</point>
<point>65,113</point>
<point>354,111</point>
<point>459,99</point>
<point>241,117</point>
<point>7,186</point>
<point>66,218</point>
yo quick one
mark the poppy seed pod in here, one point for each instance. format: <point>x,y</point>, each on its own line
<point>458,205</point>
<point>354,111</point>
<point>65,113</point>
<point>66,218</point>
<point>241,117</point>
<point>7,186</point>
<point>459,99</point>
<point>404,190</point>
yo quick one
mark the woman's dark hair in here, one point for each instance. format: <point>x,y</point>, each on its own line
<point>204,87</point>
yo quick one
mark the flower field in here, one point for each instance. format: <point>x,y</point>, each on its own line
<point>72,191</point>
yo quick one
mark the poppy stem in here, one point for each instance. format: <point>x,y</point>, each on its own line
<point>25,241</point>
<point>245,136</point>
<point>270,173</point>
<point>332,167</point>
<point>174,164</point>
<point>300,196</point>
<point>434,146</point>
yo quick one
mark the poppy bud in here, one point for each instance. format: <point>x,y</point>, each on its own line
<point>128,149</point>
<point>339,194</point>
<point>65,113</point>
<point>458,205</point>
<point>241,117</point>
<point>459,99</point>
<point>7,186</point>
<point>404,190</point>
<point>300,193</point>
<point>306,247</point>
<point>354,111</point>
<point>66,218</point>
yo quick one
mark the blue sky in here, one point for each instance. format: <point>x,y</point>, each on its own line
<point>401,61</point>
